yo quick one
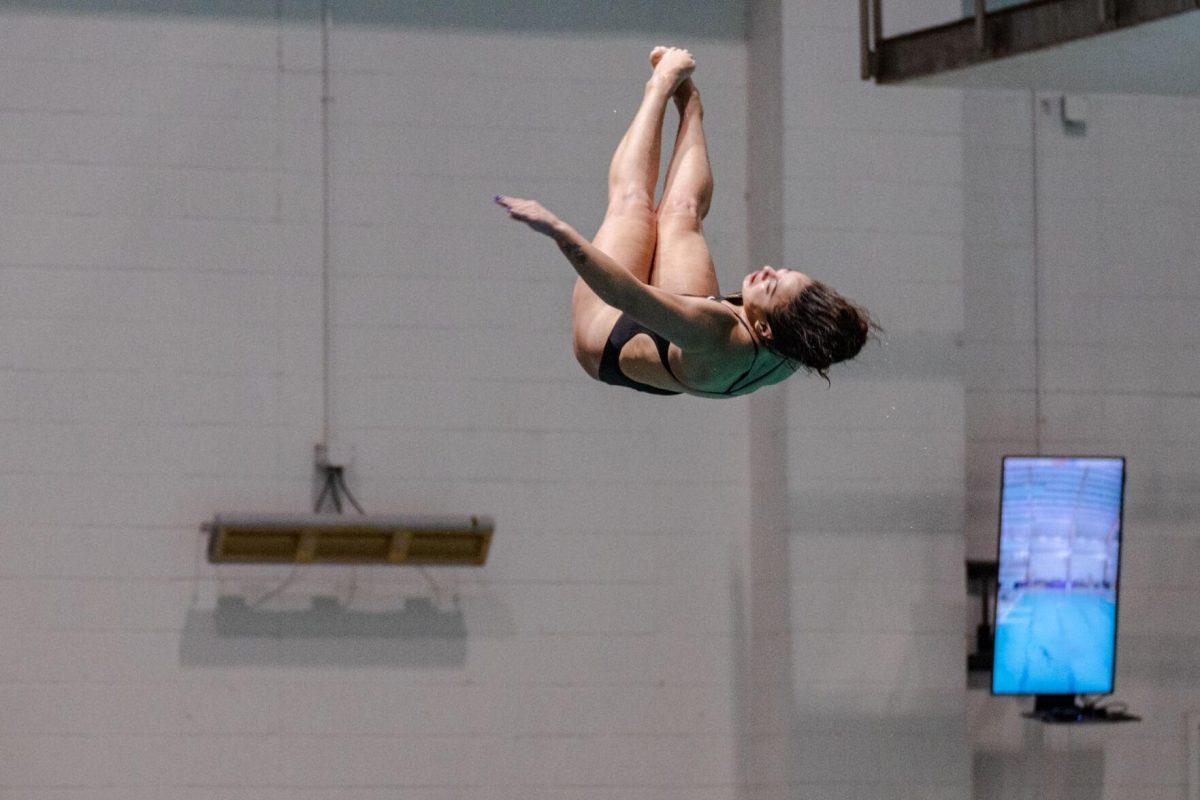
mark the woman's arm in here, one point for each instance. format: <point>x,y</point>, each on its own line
<point>689,322</point>
<point>692,323</point>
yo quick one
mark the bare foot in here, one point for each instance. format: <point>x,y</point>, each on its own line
<point>686,88</point>
<point>672,65</point>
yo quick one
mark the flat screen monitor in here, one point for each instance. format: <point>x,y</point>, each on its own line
<point>1059,565</point>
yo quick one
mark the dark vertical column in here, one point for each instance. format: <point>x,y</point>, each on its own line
<point>766,705</point>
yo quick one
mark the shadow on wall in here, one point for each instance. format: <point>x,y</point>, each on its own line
<point>678,18</point>
<point>1049,774</point>
<point>419,634</point>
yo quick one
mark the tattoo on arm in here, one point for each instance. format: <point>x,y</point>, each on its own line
<point>573,252</point>
<point>603,275</point>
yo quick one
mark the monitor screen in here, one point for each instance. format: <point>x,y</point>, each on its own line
<point>1056,601</point>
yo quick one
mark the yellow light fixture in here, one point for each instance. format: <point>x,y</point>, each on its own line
<point>351,539</point>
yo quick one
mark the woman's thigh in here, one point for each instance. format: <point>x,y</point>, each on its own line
<point>627,238</point>
<point>682,263</point>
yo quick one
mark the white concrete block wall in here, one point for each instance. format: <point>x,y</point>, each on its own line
<point>160,351</point>
<point>873,206</point>
<point>998,295</point>
<point>160,280</point>
<point>1116,259</point>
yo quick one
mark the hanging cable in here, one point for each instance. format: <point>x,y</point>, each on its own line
<point>326,336</point>
<point>282,585</point>
<point>335,480</point>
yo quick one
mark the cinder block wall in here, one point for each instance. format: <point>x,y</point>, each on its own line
<point>162,362</point>
<point>161,354</point>
<point>1114,370</point>
<point>857,653</point>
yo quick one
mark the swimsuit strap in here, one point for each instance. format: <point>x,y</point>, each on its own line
<point>733,386</point>
<point>624,329</point>
<point>664,347</point>
<point>736,299</point>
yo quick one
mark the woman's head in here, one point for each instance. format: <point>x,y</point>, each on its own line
<point>804,320</point>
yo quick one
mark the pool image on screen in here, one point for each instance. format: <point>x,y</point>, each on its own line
<point>1056,605</point>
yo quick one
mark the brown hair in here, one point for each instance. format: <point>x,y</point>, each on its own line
<point>819,328</point>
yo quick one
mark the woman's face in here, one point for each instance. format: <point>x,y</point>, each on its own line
<point>769,289</point>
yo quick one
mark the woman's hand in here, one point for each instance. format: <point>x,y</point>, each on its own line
<point>531,213</point>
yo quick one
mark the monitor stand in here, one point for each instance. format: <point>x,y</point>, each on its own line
<point>1063,708</point>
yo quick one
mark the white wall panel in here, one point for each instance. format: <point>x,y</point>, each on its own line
<point>1117,373</point>
<point>873,206</point>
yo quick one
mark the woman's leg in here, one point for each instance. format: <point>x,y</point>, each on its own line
<point>628,232</point>
<point>682,263</point>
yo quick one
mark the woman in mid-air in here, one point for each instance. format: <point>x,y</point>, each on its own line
<point>647,310</point>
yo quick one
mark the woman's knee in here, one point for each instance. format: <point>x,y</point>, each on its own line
<point>679,216</point>
<point>684,210</point>
<point>629,200</point>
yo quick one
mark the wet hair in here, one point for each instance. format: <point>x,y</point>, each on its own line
<point>819,328</point>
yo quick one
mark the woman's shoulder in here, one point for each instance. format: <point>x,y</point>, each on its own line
<point>713,368</point>
<point>711,324</point>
